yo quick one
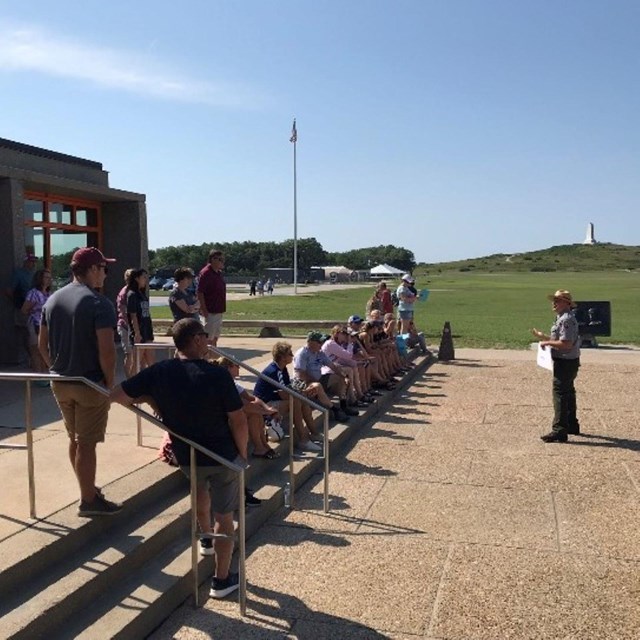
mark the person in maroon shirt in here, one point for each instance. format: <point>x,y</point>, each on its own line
<point>212,295</point>
<point>384,295</point>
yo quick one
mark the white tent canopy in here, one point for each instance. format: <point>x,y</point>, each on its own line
<point>340,270</point>
<point>386,270</point>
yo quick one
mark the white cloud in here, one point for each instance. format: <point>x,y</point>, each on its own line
<point>35,50</point>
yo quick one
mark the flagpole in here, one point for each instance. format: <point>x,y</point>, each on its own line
<point>294,139</point>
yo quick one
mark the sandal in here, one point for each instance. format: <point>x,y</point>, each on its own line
<point>270,454</point>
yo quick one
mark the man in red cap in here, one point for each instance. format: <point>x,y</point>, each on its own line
<point>76,339</point>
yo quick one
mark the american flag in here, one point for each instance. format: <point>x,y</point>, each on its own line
<point>294,133</point>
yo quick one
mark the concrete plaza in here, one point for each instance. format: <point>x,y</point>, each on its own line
<point>452,520</point>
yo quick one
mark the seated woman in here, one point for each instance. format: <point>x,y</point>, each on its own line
<point>386,345</point>
<point>336,348</point>
<point>256,411</point>
<point>364,362</point>
<point>400,355</point>
<point>381,376</point>
<point>303,423</point>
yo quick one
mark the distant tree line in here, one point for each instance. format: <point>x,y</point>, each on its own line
<point>252,258</point>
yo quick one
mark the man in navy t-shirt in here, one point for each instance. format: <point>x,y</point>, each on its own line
<point>199,400</point>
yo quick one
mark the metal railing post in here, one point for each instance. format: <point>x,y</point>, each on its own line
<point>28,423</point>
<point>292,477</point>
<point>137,349</point>
<point>193,481</point>
<point>136,353</point>
<point>326,460</point>
<point>242,551</point>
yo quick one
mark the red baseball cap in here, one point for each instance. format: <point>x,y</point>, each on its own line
<point>88,256</point>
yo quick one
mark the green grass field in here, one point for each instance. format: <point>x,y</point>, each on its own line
<point>484,309</point>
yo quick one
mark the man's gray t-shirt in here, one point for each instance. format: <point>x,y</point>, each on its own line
<point>311,363</point>
<point>73,315</point>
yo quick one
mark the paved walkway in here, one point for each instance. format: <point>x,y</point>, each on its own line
<point>452,520</point>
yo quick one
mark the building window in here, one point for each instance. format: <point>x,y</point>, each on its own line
<point>55,226</point>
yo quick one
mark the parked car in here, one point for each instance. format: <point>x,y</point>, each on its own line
<point>168,285</point>
<point>156,282</point>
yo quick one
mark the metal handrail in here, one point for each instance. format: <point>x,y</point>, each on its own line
<point>29,377</point>
<point>155,346</point>
<point>292,394</point>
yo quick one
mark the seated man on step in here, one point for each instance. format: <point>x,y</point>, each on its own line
<point>307,364</point>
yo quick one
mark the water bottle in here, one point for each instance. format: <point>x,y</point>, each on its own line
<point>287,495</point>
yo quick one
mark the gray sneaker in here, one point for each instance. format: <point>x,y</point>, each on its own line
<point>100,506</point>
<point>310,447</point>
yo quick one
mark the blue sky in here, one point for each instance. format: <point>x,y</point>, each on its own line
<point>454,128</point>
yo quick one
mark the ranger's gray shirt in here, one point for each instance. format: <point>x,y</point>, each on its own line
<point>73,315</point>
<point>566,328</point>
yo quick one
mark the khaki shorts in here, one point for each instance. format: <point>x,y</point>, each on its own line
<point>84,411</point>
<point>223,486</point>
<point>333,384</point>
<point>213,325</point>
<point>281,405</point>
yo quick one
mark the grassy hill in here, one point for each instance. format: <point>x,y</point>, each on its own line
<point>566,258</point>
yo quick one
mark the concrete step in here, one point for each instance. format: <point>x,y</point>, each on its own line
<point>121,576</point>
<point>34,550</point>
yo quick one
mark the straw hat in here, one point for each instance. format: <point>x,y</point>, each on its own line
<point>562,294</point>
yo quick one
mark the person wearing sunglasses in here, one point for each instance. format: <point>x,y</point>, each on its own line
<point>564,342</point>
<point>76,339</point>
<point>199,401</point>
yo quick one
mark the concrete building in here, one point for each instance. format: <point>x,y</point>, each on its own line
<point>52,203</point>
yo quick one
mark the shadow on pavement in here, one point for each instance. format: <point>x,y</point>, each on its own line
<point>357,468</point>
<point>606,441</point>
<point>274,615</point>
<point>376,432</point>
<point>462,362</point>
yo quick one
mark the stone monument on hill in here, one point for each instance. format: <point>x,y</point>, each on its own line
<point>590,239</point>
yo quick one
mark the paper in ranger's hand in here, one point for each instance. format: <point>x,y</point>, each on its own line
<point>544,357</point>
